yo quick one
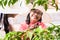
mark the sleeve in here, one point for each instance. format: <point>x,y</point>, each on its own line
<point>43,25</point>
<point>23,27</point>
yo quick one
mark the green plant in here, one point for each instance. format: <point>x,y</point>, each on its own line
<point>1,38</point>
<point>50,33</point>
<point>13,36</point>
<point>3,3</point>
<point>44,3</point>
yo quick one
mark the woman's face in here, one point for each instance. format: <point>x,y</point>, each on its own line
<point>35,16</point>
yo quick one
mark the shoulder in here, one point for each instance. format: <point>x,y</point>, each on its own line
<point>42,25</point>
<point>23,26</point>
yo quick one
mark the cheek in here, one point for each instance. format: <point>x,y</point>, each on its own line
<point>39,17</point>
<point>31,15</point>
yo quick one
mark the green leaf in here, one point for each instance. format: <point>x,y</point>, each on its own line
<point>38,30</point>
<point>13,36</point>
<point>34,4</point>
<point>53,2</point>
<point>29,34</point>
<point>56,7</point>
<point>5,2</point>
<point>9,3</point>
<point>0,3</point>
<point>36,38</point>
<point>13,1</point>
<point>39,2</point>
<point>45,7</point>
<point>27,1</point>
<point>44,2</point>
<point>51,28</point>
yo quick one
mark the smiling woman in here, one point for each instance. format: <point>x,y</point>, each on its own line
<point>34,19</point>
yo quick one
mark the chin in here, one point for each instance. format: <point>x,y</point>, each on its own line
<point>34,19</point>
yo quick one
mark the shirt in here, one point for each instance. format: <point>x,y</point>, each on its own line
<point>24,26</point>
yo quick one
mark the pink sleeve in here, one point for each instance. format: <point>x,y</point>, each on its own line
<point>42,25</point>
<point>23,27</point>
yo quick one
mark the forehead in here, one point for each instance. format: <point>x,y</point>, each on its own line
<point>36,11</point>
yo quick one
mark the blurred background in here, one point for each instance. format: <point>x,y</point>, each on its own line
<point>17,14</point>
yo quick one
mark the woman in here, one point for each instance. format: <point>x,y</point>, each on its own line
<point>33,20</point>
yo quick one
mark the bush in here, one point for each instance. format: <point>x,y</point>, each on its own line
<point>50,33</point>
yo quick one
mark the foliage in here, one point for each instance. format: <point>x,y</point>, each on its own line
<point>3,3</point>
<point>50,33</point>
<point>44,3</point>
<point>1,38</point>
<point>13,36</point>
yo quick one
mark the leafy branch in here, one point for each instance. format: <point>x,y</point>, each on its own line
<point>50,33</point>
<point>44,3</point>
<point>3,3</point>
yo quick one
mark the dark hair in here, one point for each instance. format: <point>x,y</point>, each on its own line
<point>28,16</point>
<point>6,23</point>
<point>1,16</point>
